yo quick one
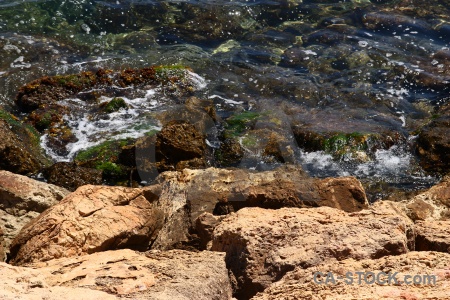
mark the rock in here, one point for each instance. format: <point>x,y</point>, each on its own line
<point>229,153</point>
<point>179,145</point>
<point>350,145</point>
<point>426,266</point>
<point>122,274</point>
<point>430,205</point>
<point>22,199</point>
<point>71,176</point>
<point>42,100</point>
<point>2,246</point>
<point>433,236</point>
<point>230,190</point>
<point>336,192</point>
<point>262,245</point>
<point>433,143</point>
<point>15,155</point>
<point>91,219</point>
<point>204,225</point>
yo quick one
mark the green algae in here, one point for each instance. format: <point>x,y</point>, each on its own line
<point>104,152</point>
<point>114,105</point>
<point>239,123</point>
<point>22,129</point>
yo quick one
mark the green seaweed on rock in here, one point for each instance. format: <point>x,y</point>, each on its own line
<point>106,157</point>
<point>239,123</point>
<point>114,105</point>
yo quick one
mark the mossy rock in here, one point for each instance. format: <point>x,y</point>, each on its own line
<point>51,89</point>
<point>28,139</point>
<point>108,157</point>
<point>114,105</point>
<point>229,153</point>
<point>354,145</point>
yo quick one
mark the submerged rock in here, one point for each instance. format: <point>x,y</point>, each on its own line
<point>355,145</point>
<point>111,162</point>
<point>68,109</point>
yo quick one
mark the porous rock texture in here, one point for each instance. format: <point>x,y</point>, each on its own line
<point>433,143</point>
<point>262,244</point>
<point>433,236</point>
<point>15,156</point>
<point>225,190</point>
<point>121,274</point>
<point>300,284</point>
<point>22,199</point>
<point>430,205</point>
<point>91,219</point>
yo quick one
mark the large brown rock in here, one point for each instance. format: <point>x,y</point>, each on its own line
<point>121,274</point>
<point>433,204</point>
<point>91,219</point>
<point>204,225</point>
<point>262,244</point>
<point>224,190</point>
<point>23,199</point>
<point>299,284</point>
<point>433,236</point>
<point>15,156</point>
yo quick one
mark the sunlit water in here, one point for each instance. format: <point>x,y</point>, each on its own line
<point>328,65</point>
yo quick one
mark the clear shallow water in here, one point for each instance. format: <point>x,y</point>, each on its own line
<point>351,66</point>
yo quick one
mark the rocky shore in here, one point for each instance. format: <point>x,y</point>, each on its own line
<point>175,213</point>
<point>219,234</point>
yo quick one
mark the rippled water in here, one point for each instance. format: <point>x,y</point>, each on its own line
<point>349,66</point>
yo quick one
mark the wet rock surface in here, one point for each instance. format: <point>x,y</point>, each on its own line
<point>122,273</point>
<point>15,155</point>
<point>340,87</point>
<point>179,145</point>
<point>263,245</point>
<point>71,176</point>
<point>433,144</point>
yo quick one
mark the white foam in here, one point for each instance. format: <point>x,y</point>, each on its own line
<point>226,100</point>
<point>309,52</point>
<point>198,81</point>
